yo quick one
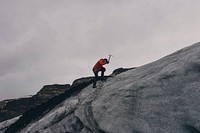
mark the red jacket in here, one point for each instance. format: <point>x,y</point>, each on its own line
<point>99,65</point>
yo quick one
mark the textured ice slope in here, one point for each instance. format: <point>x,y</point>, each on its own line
<point>160,97</point>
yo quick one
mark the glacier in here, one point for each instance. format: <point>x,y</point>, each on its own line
<point>159,97</point>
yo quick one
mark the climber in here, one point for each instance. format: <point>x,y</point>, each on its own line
<point>99,67</point>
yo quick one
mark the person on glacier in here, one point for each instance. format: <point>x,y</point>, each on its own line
<point>98,67</point>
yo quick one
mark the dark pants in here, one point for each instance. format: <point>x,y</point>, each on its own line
<point>102,70</point>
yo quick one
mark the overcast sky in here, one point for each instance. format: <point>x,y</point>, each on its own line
<point>57,41</point>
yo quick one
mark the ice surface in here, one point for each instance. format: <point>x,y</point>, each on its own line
<point>160,97</point>
<point>5,124</point>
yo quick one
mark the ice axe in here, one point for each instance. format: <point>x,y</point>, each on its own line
<point>109,57</point>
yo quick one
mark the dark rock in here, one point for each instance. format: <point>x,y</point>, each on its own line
<point>15,107</point>
<point>120,70</point>
<point>82,80</point>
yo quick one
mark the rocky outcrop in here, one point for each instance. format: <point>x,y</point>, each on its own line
<point>82,80</point>
<point>39,111</point>
<point>120,70</point>
<point>15,107</point>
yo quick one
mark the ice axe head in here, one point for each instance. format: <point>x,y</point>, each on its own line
<point>109,57</point>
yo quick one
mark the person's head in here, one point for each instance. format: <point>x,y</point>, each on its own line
<point>106,60</point>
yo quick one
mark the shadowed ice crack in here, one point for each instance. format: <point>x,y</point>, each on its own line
<point>90,118</point>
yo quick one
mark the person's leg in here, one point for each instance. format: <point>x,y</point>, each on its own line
<point>96,74</point>
<point>95,78</point>
<point>102,73</point>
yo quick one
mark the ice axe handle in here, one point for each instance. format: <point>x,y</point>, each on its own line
<point>109,57</point>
